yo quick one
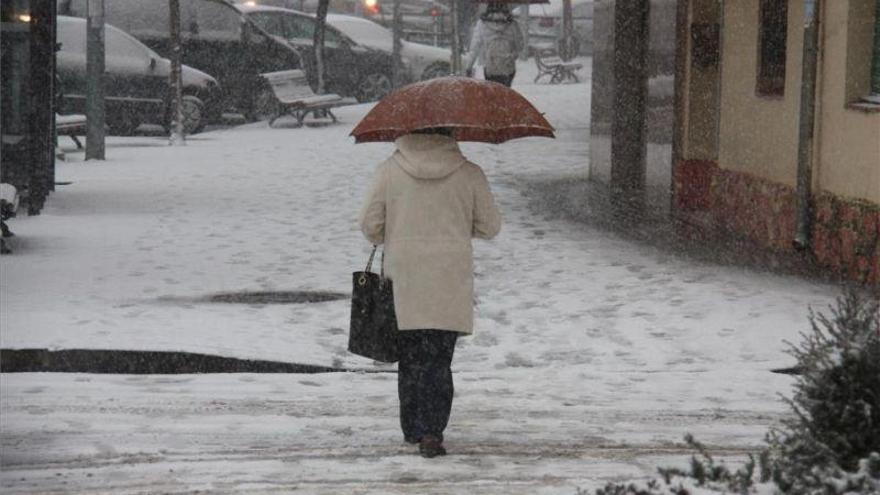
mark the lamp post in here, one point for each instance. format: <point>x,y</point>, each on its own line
<point>396,27</point>
<point>524,12</point>
<point>95,114</point>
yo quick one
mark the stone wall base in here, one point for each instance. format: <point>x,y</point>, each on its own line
<point>845,233</point>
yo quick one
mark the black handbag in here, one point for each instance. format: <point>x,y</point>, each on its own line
<point>373,330</point>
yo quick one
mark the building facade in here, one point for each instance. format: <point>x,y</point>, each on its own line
<point>740,116</point>
<point>772,141</point>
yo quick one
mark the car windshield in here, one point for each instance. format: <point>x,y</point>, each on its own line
<point>364,32</point>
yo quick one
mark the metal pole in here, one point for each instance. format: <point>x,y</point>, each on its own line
<point>806,125</point>
<point>177,136</point>
<point>456,44</point>
<point>396,26</point>
<point>95,115</point>
<point>525,30</point>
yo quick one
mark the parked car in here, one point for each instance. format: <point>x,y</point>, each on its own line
<point>351,68</point>
<point>137,81</point>
<point>421,61</point>
<point>215,38</point>
<point>545,24</point>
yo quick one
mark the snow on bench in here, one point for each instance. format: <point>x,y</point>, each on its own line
<point>293,95</point>
<point>558,70</point>
<point>72,125</point>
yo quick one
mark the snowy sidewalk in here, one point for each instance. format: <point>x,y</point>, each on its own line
<point>592,356</point>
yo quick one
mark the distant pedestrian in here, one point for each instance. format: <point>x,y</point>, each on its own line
<point>497,42</point>
<point>426,204</point>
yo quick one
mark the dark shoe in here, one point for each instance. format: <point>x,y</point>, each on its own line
<point>414,440</point>
<point>431,446</point>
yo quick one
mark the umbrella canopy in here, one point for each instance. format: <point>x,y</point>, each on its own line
<point>475,110</point>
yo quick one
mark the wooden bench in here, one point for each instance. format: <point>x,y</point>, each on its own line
<point>551,65</point>
<point>72,125</point>
<point>293,95</point>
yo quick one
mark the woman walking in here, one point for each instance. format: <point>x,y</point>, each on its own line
<point>426,203</point>
<point>497,41</point>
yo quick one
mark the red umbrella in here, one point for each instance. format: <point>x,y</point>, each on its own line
<point>474,109</point>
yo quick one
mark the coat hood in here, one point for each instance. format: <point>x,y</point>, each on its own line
<point>428,156</point>
<point>497,26</point>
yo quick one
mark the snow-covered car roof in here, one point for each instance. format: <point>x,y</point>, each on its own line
<point>363,31</point>
<point>552,9</point>
<point>247,8</point>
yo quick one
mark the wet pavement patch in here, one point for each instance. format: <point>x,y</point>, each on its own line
<point>276,297</point>
<point>261,297</point>
<point>141,362</point>
<point>256,298</point>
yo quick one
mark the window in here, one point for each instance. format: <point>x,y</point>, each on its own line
<point>771,47</point>
<point>270,23</point>
<point>863,55</point>
<point>214,21</point>
<point>300,27</point>
<point>120,45</point>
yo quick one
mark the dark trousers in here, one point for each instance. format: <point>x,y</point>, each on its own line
<point>424,382</point>
<point>505,80</point>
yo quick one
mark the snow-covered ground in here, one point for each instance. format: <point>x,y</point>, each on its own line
<point>591,358</point>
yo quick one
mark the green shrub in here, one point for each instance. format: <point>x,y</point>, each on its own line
<point>836,423</point>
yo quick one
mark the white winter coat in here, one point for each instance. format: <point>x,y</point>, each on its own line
<point>426,203</point>
<point>481,42</point>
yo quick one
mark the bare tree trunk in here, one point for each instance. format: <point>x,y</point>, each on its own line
<point>321,20</point>
<point>177,136</point>
<point>525,30</point>
<point>396,26</point>
<point>568,47</point>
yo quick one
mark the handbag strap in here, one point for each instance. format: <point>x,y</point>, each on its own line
<point>370,261</point>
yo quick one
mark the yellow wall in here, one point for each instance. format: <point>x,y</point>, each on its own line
<point>759,135</point>
<point>849,139</point>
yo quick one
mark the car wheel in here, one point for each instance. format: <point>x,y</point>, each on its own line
<point>193,111</point>
<point>373,87</point>
<point>265,105</point>
<point>436,70</point>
